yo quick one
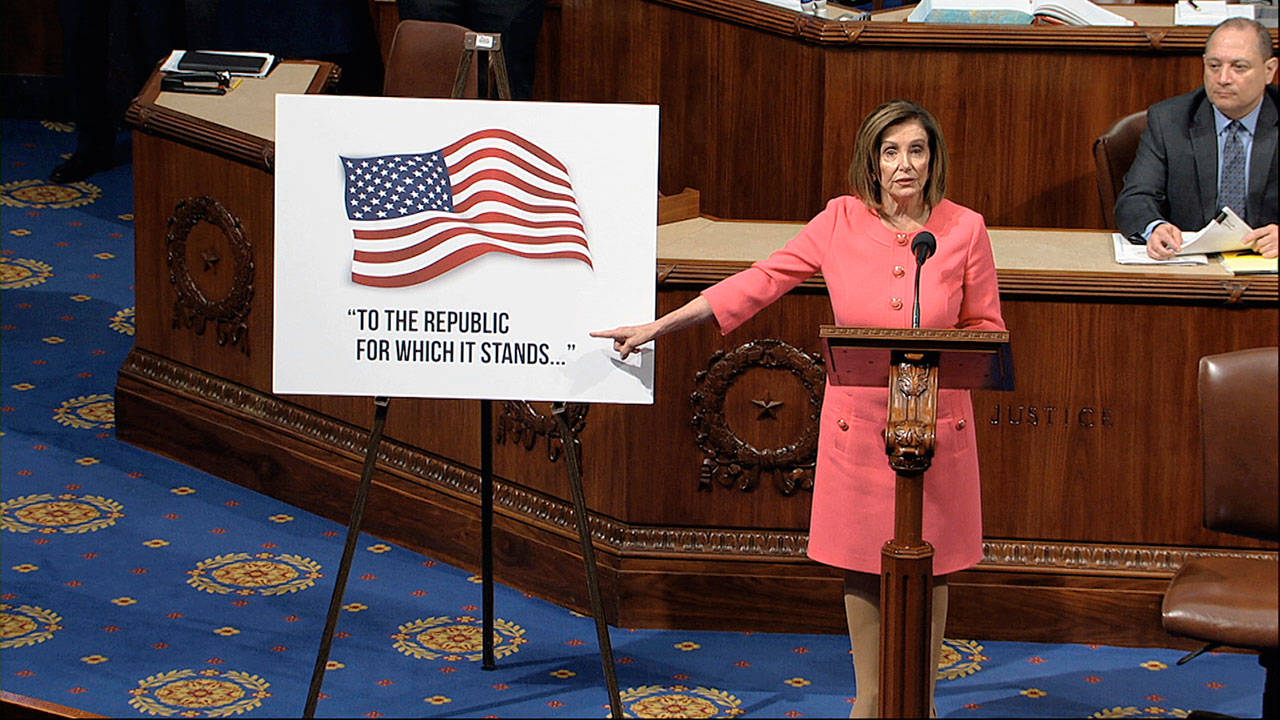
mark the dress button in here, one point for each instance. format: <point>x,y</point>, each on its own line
<point>898,271</point>
<point>842,424</point>
<point>896,304</point>
<point>961,423</point>
<point>902,239</point>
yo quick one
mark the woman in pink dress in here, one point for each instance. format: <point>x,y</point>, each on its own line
<point>862,246</point>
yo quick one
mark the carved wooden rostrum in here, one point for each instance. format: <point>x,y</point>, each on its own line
<point>914,363</point>
<point>906,564</point>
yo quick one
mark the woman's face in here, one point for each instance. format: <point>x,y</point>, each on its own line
<point>904,161</point>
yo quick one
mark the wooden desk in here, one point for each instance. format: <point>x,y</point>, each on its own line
<point>699,501</point>
<point>760,104</point>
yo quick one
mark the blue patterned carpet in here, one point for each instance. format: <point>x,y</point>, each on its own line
<point>133,586</point>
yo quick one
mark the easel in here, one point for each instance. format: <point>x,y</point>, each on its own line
<point>914,363</point>
<point>492,45</point>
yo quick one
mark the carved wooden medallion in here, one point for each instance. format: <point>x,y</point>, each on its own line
<point>790,382</point>
<point>211,270</point>
<point>524,424</point>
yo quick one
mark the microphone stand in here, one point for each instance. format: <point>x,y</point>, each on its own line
<point>915,310</point>
<point>923,247</point>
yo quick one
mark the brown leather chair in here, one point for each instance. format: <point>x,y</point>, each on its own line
<point>423,61</point>
<point>1233,601</point>
<point>1113,153</point>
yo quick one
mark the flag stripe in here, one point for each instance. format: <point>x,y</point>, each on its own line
<point>495,133</point>
<point>480,206</point>
<point>480,196</point>
<point>484,217</point>
<point>453,260</point>
<point>506,177</point>
<point>394,255</point>
<point>428,257</point>
<point>456,169</point>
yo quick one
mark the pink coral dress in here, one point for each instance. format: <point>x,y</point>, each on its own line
<point>869,271</point>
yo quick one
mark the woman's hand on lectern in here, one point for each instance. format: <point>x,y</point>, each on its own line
<point>629,337</point>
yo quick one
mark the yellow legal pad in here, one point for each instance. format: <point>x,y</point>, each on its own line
<point>1244,262</point>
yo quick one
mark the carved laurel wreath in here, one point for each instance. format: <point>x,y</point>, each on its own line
<point>525,425</point>
<point>729,459</point>
<point>192,308</point>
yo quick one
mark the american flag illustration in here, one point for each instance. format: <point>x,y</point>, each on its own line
<point>417,216</point>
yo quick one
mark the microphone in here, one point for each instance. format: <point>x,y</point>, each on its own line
<point>923,246</point>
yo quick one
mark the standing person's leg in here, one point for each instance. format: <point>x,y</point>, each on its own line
<point>862,610</point>
<point>85,45</point>
<point>938,627</point>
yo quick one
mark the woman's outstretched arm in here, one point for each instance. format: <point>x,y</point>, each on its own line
<point>628,337</point>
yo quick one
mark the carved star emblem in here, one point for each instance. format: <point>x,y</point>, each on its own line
<point>210,259</point>
<point>767,405</point>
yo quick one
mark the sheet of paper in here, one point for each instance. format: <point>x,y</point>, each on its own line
<point>1129,254</point>
<point>1224,233</point>
<point>1209,12</point>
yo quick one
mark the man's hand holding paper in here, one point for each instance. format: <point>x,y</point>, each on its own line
<point>1224,233</point>
<point>1264,240</point>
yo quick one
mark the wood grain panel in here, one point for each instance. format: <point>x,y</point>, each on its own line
<point>1020,125</point>
<point>170,173</point>
<point>760,105</point>
<point>1100,441</point>
<point>40,51</point>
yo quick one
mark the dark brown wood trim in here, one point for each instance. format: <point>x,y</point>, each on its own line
<point>788,23</point>
<point>1251,289</point>
<point>21,706</point>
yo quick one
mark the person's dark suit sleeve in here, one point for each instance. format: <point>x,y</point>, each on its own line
<point>1145,194</point>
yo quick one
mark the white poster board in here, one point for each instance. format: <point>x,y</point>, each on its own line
<point>462,248</point>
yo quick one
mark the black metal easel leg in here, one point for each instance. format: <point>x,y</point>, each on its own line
<point>486,531</point>
<point>572,448</point>
<point>344,568</point>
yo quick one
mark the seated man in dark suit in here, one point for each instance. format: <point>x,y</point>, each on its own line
<point>1210,148</point>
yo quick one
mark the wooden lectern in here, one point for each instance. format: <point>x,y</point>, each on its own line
<point>914,363</point>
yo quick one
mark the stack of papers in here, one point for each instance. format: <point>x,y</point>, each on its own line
<point>1129,254</point>
<point>1224,234</point>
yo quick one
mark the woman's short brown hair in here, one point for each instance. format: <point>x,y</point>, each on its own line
<point>864,171</point>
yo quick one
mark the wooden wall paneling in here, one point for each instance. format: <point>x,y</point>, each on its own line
<point>691,104</point>
<point>1019,125</point>
<point>1039,608</point>
<point>766,597</point>
<point>172,173</point>
<point>546,80</point>
<point>608,52</point>
<point>760,105</point>
<point>766,147</point>
<point>1117,459</point>
<point>40,50</point>
<point>386,16</point>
